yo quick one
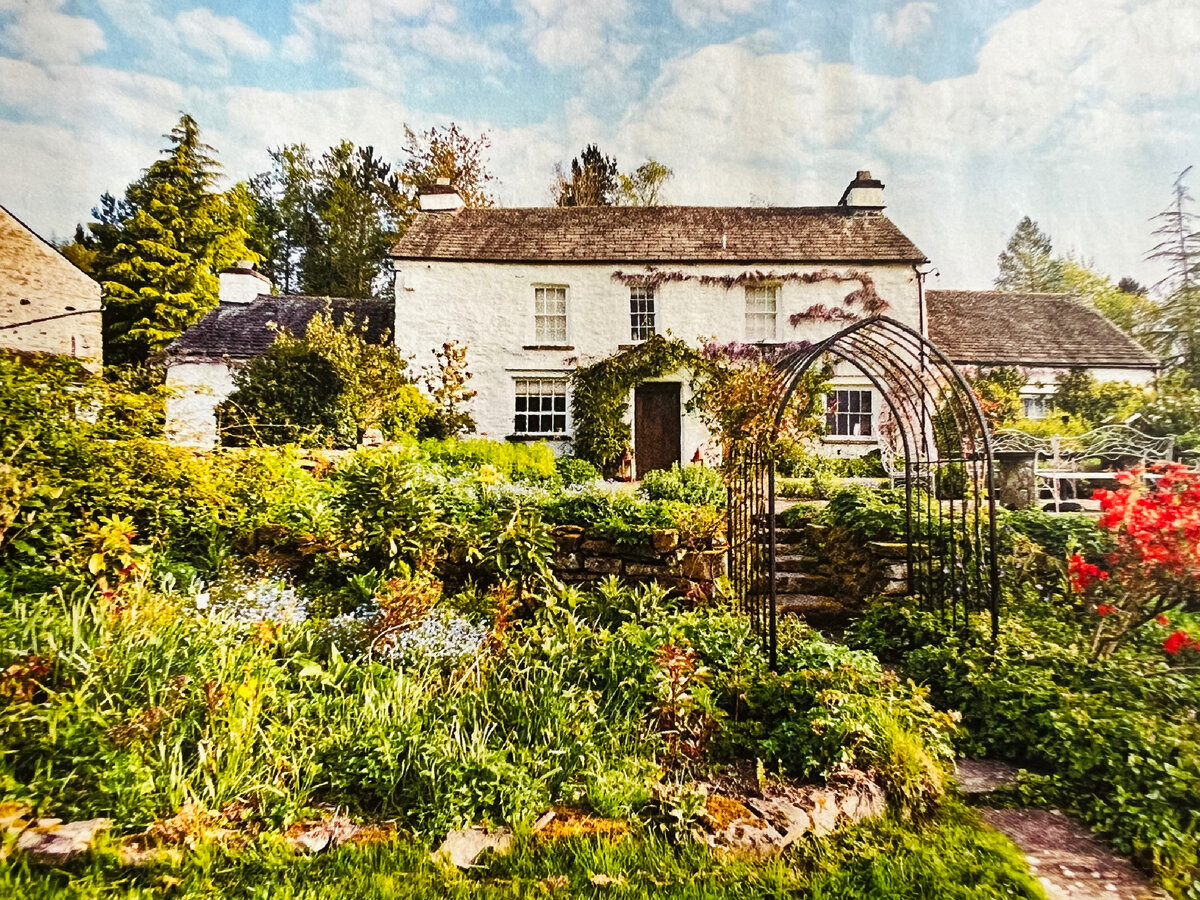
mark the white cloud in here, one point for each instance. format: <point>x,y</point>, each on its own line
<point>215,40</point>
<point>384,42</point>
<point>219,37</point>
<point>568,33</point>
<point>906,24</point>
<point>39,32</point>
<point>695,13</point>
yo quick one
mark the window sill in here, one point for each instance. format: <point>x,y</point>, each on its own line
<point>849,439</point>
<point>548,347</point>
<point>524,438</point>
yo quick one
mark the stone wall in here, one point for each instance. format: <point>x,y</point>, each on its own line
<point>849,569</point>
<point>585,559</point>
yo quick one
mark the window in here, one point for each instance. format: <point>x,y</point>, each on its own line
<point>761,303</point>
<point>641,313</point>
<point>1038,406</point>
<point>848,413</point>
<point>550,315</point>
<point>541,406</point>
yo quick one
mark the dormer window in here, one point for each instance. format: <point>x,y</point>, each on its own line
<point>642,313</point>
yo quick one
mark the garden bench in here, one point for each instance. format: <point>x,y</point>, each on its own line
<point>1063,459</point>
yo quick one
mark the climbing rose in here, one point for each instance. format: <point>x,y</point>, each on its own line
<point>1161,619</point>
<point>1179,640</point>
<point>1104,609</point>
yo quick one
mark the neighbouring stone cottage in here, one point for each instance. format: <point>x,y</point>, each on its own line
<point>203,361</point>
<point>1045,336</point>
<point>536,292</point>
<point>47,305</point>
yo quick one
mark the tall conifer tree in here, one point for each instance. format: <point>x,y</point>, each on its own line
<point>158,249</point>
<point>1026,264</point>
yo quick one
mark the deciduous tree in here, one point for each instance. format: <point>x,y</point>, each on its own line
<point>644,186</point>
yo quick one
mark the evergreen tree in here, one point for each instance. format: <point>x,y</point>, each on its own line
<point>157,250</point>
<point>325,225</point>
<point>1026,264</point>
<point>1177,329</point>
<point>592,180</point>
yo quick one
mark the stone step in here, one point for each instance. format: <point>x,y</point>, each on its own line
<point>816,609</point>
<point>800,583</point>
<point>790,536</point>
<point>797,562</point>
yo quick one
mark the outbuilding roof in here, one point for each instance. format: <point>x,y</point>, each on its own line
<point>1008,328</point>
<point>247,330</point>
<point>657,234</point>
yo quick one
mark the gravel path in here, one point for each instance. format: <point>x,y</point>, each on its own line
<point>1069,861</point>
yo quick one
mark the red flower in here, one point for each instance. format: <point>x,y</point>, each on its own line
<point>1161,619</point>
<point>1177,641</point>
<point>1104,609</point>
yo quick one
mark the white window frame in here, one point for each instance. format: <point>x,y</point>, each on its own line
<point>762,313</point>
<point>643,313</point>
<point>550,324</point>
<point>540,387</point>
<point>854,417</point>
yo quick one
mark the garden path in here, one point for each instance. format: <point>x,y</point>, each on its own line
<point>1066,858</point>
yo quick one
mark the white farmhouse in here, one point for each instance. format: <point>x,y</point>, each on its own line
<point>536,292</point>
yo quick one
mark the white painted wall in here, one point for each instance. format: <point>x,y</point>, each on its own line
<point>490,307</point>
<point>197,387</point>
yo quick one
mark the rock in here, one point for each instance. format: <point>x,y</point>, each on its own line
<point>313,836</point>
<point>55,844</point>
<point>665,540</point>
<point>600,546</point>
<point>567,537</point>
<point>704,565</point>
<point>463,847</point>
<point>602,565</point>
<point>755,839</point>
<point>138,850</point>
<point>642,570</point>
<point>543,820</point>
<point>824,812</point>
<point>789,820</point>
<point>47,822</point>
<point>566,561</point>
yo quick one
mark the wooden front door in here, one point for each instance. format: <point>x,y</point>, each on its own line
<point>657,426</point>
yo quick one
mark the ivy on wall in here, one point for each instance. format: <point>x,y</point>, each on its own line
<point>600,395</point>
<point>865,296</point>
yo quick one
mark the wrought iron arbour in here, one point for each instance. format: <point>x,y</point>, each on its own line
<point>936,446</point>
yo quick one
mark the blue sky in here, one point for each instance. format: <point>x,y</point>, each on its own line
<point>973,112</point>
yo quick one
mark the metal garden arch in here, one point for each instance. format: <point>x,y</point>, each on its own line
<point>936,446</point>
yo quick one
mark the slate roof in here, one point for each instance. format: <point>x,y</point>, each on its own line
<point>1008,328</point>
<point>244,330</point>
<point>657,234</point>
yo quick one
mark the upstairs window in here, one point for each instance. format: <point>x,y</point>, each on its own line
<point>550,315</point>
<point>848,413</point>
<point>641,313</point>
<point>1038,406</point>
<point>762,302</point>
<point>541,407</point>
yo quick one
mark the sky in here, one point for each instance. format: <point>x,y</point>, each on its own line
<point>974,113</point>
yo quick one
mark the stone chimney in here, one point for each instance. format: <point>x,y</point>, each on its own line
<point>241,283</point>
<point>440,197</point>
<point>864,192</point>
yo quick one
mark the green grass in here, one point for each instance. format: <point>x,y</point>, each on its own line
<point>952,857</point>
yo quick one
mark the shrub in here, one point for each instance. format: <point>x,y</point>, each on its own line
<point>575,472</point>
<point>532,462</point>
<point>696,485</point>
